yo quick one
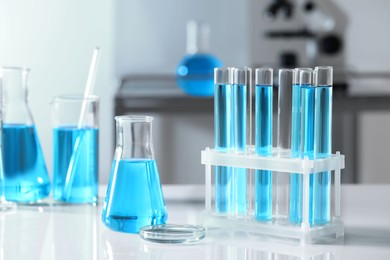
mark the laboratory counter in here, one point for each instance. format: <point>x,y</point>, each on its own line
<point>50,230</point>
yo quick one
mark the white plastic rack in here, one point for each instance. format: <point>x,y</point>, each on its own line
<point>275,228</point>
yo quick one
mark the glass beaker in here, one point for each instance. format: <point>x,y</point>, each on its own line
<point>134,197</point>
<point>75,148</point>
<point>25,174</point>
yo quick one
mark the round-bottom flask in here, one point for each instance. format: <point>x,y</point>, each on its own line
<point>134,197</point>
<point>195,72</point>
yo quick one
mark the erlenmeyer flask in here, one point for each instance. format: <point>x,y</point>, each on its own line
<point>134,197</point>
<point>25,174</point>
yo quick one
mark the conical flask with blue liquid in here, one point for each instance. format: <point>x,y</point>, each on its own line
<point>134,197</point>
<point>25,174</point>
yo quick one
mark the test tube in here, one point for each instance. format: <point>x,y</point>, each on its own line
<point>250,131</point>
<point>263,142</point>
<point>302,78</point>
<point>323,80</point>
<point>307,141</point>
<point>223,137</point>
<point>283,139</point>
<point>240,89</point>
<point>284,111</point>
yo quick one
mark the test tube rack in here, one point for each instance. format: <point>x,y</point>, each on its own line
<point>275,228</point>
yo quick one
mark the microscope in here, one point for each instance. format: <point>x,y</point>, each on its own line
<point>299,33</point>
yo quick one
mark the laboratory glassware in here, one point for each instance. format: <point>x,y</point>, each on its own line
<point>173,233</point>
<point>194,72</point>
<point>263,141</point>
<point>302,78</point>
<point>239,109</point>
<point>134,197</point>
<point>307,139</point>
<point>25,175</point>
<point>283,140</point>
<point>223,137</point>
<point>323,81</point>
<point>4,204</point>
<point>75,149</point>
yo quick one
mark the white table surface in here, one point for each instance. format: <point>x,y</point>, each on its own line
<point>54,231</point>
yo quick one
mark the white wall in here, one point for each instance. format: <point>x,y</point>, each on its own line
<point>151,34</point>
<point>368,40</point>
<point>56,38</point>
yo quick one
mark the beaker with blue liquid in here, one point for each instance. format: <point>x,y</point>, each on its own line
<point>75,148</point>
<point>134,197</point>
<point>25,175</point>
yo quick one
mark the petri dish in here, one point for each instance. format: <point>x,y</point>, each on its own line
<point>172,233</point>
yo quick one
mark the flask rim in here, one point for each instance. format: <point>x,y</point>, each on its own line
<point>134,118</point>
<point>23,68</point>
<point>74,97</point>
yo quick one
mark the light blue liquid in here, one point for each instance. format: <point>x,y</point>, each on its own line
<point>25,173</point>
<point>308,108</point>
<point>308,113</point>
<point>323,148</point>
<point>240,132</point>
<point>263,144</point>
<point>84,182</point>
<point>195,74</point>
<point>223,140</point>
<point>134,197</point>
<point>296,180</point>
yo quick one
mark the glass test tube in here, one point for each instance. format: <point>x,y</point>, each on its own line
<point>223,137</point>
<point>302,77</point>
<point>239,178</point>
<point>308,113</point>
<point>323,80</point>
<point>263,142</point>
<point>250,131</point>
<point>283,139</point>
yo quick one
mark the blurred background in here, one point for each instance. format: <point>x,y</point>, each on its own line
<point>143,41</point>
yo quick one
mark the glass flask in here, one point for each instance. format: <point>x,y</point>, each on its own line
<point>4,204</point>
<point>195,72</point>
<point>134,197</point>
<point>25,174</point>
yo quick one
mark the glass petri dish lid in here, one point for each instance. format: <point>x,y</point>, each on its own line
<point>172,233</point>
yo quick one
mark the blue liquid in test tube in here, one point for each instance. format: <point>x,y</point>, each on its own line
<point>323,77</point>
<point>223,138</point>
<point>308,108</point>
<point>240,85</point>
<point>263,142</point>
<point>302,77</point>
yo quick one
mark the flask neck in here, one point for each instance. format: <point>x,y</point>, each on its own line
<point>14,84</point>
<point>134,137</point>
<point>197,37</point>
